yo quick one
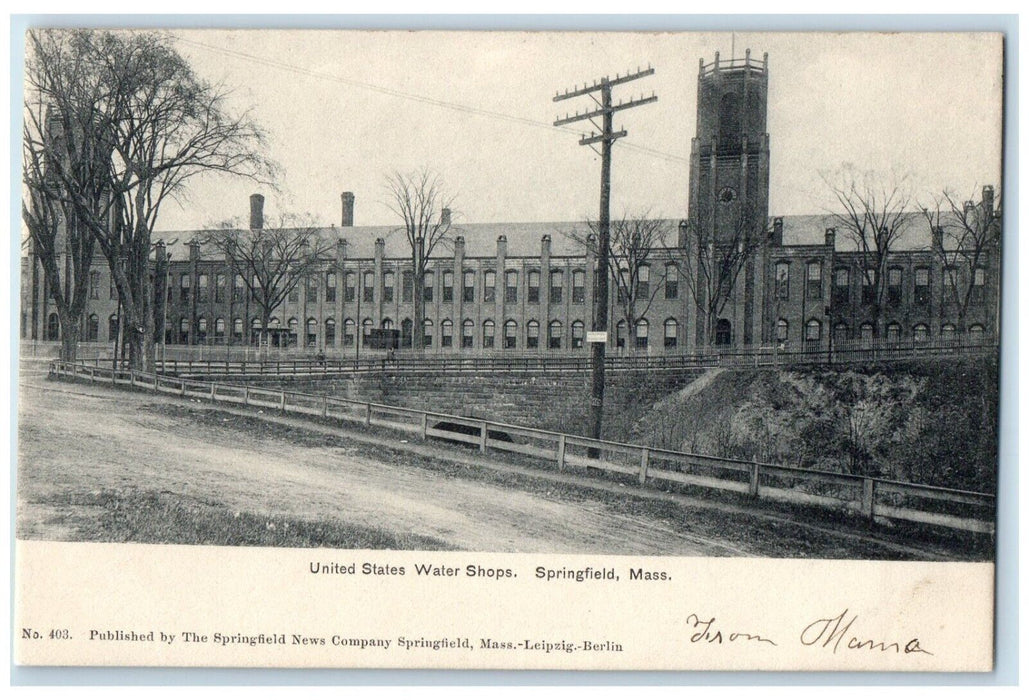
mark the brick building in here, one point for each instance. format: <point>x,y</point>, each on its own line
<point>528,287</point>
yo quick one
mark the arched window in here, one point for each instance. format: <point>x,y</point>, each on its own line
<point>620,335</point>
<point>219,330</point>
<point>406,333</point>
<point>330,332</point>
<point>349,327</point>
<point>782,330</point>
<point>554,331</point>
<point>840,333</point>
<point>387,323</point>
<point>183,330</point>
<point>813,330</point>
<point>671,333</point>
<point>947,332</point>
<point>920,333</point>
<point>893,332</point>
<point>976,334</point>
<point>312,332</point>
<point>532,334</point>
<point>294,331</point>
<point>53,327</point>
<point>112,327</point>
<point>578,334</point>
<point>237,330</point>
<point>468,333</point>
<point>867,334</point>
<point>446,338</point>
<point>723,332</point>
<point>201,330</point>
<point>489,332</point>
<point>427,333</point>
<point>92,328</point>
<point>642,333</point>
<point>366,331</point>
<point>510,335</point>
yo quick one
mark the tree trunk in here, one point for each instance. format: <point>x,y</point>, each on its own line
<point>417,333</point>
<point>70,333</point>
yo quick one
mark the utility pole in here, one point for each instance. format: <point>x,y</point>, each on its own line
<point>605,110</point>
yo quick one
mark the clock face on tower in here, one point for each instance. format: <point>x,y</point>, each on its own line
<point>727,195</point>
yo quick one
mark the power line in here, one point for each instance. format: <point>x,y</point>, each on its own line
<point>445,104</point>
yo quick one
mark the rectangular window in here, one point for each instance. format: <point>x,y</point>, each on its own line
<point>578,287</point>
<point>921,285</point>
<point>510,287</point>
<point>294,294</point>
<point>782,281</point>
<point>489,286</point>
<point>350,287</point>
<point>532,336</point>
<point>202,288</point>
<point>447,336</point>
<point>671,282</point>
<point>950,285</point>
<point>368,292</point>
<point>94,284</point>
<point>894,288</point>
<point>467,339</point>
<point>312,290</point>
<point>868,287</point>
<point>557,281</point>
<point>219,287</point>
<point>407,286</point>
<point>534,287</point>
<point>469,285</point>
<point>841,287</point>
<point>429,282</point>
<point>184,289</point>
<point>643,283</point>
<point>814,280</point>
<point>330,287</point>
<point>387,286</point>
<point>238,285</point>
<point>448,285</point>
<point>113,292</point>
<point>978,295</point>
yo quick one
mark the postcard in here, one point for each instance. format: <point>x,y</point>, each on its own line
<point>509,350</point>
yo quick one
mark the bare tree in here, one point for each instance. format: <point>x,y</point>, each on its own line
<point>873,214</point>
<point>712,260</point>
<point>161,125</point>
<point>272,261</point>
<point>965,233</point>
<point>633,240</point>
<point>65,159</point>
<point>420,201</point>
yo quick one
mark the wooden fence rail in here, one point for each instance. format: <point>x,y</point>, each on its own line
<point>871,497</point>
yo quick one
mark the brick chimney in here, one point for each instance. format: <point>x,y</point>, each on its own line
<point>444,217</point>
<point>777,231</point>
<point>988,202</point>
<point>830,238</point>
<point>347,200</point>
<point>256,211</point>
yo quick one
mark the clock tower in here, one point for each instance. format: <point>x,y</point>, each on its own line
<point>728,198</point>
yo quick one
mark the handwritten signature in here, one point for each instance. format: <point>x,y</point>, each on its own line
<point>832,631</point>
<point>826,632</point>
<point>707,632</point>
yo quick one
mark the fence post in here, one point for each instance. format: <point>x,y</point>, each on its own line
<point>213,385</point>
<point>282,400</point>
<point>155,380</point>
<point>644,463</point>
<point>425,426</point>
<point>368,414</point>
<point>482,437</point>
<point>182,387</point>
<point>868,498</point>
<point>246,394</point>
<point>92,375</point>
<point>561,451</point>
<point>325,406</point>
<point>754,477</point>
<point>132,378</point>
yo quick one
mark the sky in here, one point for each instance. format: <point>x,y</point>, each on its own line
<point>342,110</point>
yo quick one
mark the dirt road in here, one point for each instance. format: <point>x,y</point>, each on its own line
<point>77,437</point>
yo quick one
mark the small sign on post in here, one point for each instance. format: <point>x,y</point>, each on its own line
<point>596,337</point>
